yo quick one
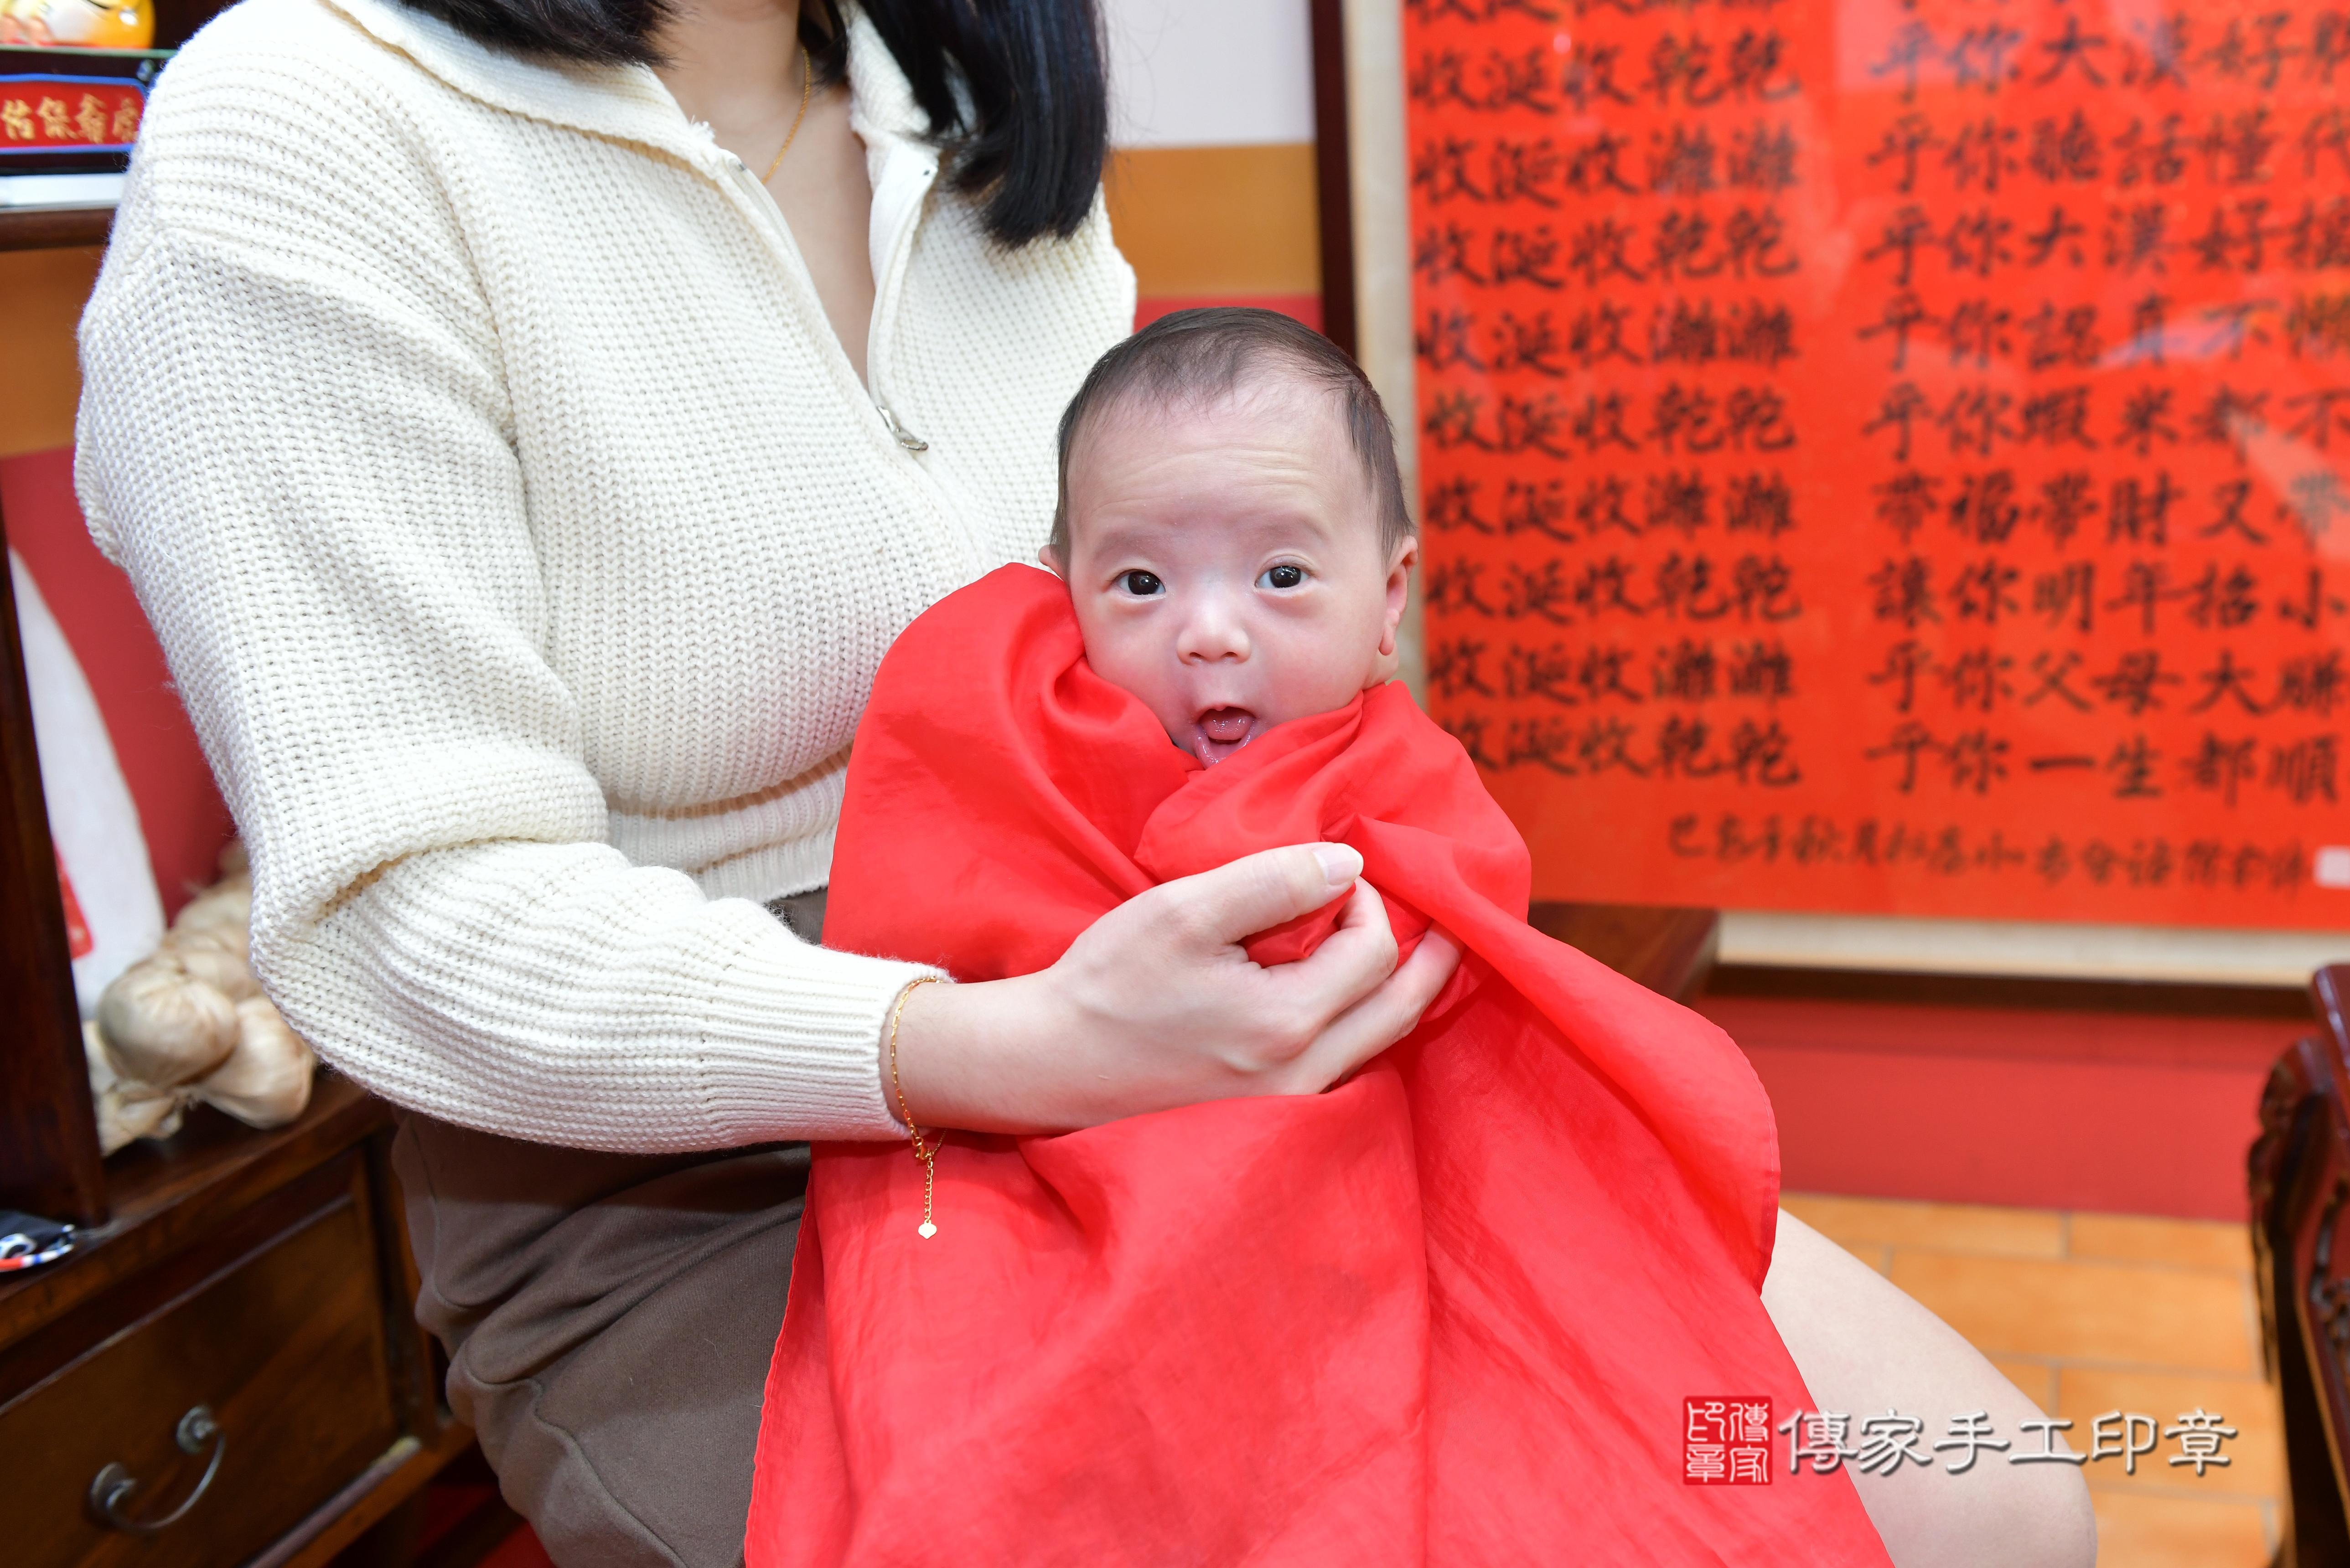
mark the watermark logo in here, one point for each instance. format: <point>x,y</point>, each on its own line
<point>1726,1440</point>
<point>1723,1436</point>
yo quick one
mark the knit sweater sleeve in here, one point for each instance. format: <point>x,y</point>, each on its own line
<point>295,437</point>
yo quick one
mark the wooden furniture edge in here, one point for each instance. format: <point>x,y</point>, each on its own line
<point>2297,1123</point>
<point>54,228</point>
<point>1332,172</point>
<point>1666,948</point>
<point>403,1471</point>
<point>50,1158</point>
<point>165,1197</point>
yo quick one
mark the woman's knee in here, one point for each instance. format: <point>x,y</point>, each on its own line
<point>1864,1345</point>
<point>1993,1516</point>
<point>2052,1523</point>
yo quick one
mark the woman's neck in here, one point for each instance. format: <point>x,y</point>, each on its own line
<point>734,65</point>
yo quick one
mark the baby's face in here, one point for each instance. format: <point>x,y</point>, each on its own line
<point>1226,563</point>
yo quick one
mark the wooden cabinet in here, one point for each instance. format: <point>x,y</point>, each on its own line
<point>221,1418</point>
<point>233,1352</point>
<point>237,1403</point>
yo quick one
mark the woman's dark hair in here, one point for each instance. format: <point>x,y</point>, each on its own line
<point>1198,355</point>
<point>1024,135</point>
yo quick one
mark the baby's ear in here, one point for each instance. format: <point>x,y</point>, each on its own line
<point>1399,564</point>
<point>1051,560</point>
<point>1405,557</point>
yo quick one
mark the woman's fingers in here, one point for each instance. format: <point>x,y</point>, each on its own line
<point>1227,906</point>
<point>1380,1019</point>
<point>1347,967</point>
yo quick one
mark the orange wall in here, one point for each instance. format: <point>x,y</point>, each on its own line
<point>1210,221</point>
<point>41,296</point>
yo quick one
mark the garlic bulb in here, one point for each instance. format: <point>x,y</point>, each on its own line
<point>265,1082</point>
<point>222,913</point>
<point>190,1023</point>
<point>163,1025</point>
<point>205,954</point>
<point>127,1111</point>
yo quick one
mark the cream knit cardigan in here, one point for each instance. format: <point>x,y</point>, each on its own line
<point>524,546</point>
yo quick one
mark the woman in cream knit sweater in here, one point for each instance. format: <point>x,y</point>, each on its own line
<point>527,425</point>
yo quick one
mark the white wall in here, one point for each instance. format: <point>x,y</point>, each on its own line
<point>1209,73</point>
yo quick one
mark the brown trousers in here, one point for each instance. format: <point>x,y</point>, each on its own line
<point>608,1320</point>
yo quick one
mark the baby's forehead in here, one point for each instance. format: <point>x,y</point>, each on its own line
<point>1271,400</point>
<point>1269,466</point>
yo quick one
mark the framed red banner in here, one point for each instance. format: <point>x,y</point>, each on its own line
<point>1890,459</point>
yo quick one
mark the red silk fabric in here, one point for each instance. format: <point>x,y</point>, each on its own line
<point>1445,1313</point>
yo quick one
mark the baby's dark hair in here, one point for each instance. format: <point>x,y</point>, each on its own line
<point>1205,354</point>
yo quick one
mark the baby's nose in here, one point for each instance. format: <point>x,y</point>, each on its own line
<point>1211,633</point>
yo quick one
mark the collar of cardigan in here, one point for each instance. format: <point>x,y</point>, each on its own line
<point>629,103</point>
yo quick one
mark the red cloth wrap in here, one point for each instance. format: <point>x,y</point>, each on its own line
<point>1446,1312</point>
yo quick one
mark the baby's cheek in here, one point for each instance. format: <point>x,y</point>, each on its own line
<point>1111,648</point>
<point>1320,670</point>
<point>1139,660</point>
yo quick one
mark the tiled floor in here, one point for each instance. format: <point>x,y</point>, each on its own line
<point>2092,1313</point>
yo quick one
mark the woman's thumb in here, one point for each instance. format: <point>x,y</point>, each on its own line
<point>1261,890</point>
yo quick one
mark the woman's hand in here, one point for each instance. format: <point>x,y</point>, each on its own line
<point>1156,1005</point>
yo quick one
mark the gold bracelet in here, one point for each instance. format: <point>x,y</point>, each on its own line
<point>925,1150</point>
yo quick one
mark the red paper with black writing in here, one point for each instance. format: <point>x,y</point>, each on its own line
<point>1447,1313</point>
<point>1889,457</point>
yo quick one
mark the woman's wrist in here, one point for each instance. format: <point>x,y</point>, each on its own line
<point>959,1055</point>
<point>893,1085</point>
<point>908,1051</point>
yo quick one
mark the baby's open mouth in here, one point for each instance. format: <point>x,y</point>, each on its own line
<point>1219,732</point>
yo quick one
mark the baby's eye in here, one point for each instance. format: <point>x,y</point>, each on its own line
<point>1280,577</point>
<point>1141,585</point>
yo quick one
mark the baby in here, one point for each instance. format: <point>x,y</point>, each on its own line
<point>1448,1311</point>
<point>1231,525</point>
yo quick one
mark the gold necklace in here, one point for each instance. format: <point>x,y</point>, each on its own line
<point>808,76</point>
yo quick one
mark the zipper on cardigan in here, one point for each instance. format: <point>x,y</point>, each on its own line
<point>886,292</point>
<point>889,289</point>
<point>762,201</point>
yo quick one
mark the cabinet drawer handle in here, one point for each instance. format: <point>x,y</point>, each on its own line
<point>111,1491</point>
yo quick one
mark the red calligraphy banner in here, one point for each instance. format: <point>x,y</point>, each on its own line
<point>43,113</point>
<point>1889,458</point>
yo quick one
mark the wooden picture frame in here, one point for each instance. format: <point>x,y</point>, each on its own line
<point>50,1158</point>
<point>1334,196</point>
